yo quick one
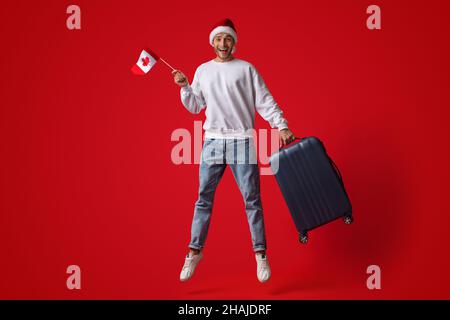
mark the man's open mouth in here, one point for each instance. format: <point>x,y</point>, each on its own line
<point>223,50</point>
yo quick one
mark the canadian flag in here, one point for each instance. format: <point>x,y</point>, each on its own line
<point>146,61</point>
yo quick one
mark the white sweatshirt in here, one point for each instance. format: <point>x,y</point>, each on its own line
<point>231,91</point>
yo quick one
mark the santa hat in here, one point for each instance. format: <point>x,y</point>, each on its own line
<point>225,26</point>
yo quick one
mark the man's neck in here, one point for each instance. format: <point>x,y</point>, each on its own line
<point>218,59</point>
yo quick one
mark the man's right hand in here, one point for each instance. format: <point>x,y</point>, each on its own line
<point>179,78</point>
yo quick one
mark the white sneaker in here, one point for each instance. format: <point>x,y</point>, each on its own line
<point>263,268</point>
<point>190,263</point>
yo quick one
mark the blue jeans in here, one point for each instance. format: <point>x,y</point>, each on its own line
<point>240,155</point>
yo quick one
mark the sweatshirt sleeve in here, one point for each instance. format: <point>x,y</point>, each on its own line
<point>192,96</point>
<point>265,103</point>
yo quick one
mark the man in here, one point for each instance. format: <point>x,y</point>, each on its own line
<point>229,90</point>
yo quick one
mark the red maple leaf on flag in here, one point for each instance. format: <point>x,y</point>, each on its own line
<point>145,61</point>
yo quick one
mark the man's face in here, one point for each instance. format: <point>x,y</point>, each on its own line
<point>223,44</point>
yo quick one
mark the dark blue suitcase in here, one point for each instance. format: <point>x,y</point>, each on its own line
<point>311,184</point>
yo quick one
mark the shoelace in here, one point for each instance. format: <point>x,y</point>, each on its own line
<point>263,264</point>
<point>188,262</point>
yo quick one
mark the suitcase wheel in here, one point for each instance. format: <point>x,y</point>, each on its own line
<point>348,220</point>
<point>303,238</point>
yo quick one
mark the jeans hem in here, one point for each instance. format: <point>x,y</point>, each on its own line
<point>193,246</point>
<point>259,248</point>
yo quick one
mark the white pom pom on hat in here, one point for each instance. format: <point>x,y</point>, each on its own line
<point>223,26</point>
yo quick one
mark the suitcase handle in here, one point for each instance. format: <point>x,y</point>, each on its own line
<point>285,146</point>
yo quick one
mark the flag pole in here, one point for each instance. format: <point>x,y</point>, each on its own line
<point>167,64</point>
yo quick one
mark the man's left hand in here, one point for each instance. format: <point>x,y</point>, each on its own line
<point>286,137</point>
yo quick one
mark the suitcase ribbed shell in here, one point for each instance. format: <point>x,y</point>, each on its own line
<point>311,186</point>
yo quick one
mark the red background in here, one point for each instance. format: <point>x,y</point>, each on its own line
<point>86,174</point>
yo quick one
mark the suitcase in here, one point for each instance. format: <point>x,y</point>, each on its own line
<point>311,185</point>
